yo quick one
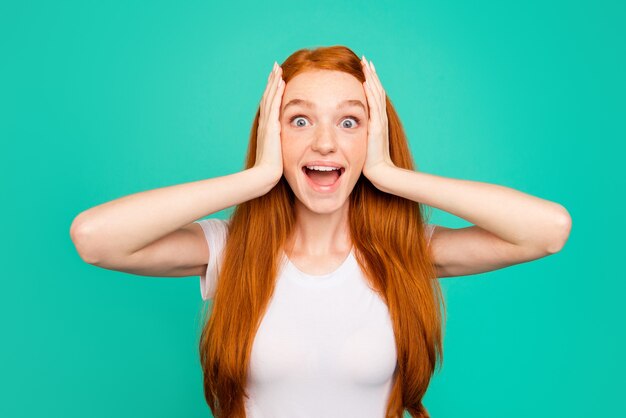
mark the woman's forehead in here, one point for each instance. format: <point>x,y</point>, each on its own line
<point>323,88</point>
<point>347,103</point>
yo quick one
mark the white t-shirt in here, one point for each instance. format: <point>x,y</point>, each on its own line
<point>325,346</point>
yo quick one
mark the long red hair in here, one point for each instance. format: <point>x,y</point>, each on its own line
<point>390,246</point>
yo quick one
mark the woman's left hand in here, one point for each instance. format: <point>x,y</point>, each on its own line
<point>377,158</point>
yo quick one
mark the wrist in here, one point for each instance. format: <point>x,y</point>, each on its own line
<point>267,176</point>
<point>380,174</point>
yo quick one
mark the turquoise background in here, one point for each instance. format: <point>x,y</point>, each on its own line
<point>104,99</point>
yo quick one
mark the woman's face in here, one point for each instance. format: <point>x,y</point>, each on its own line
<point>323,124</point>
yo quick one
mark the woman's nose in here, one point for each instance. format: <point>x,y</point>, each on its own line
<point>324,141</point>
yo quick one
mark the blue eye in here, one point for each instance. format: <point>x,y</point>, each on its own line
<point>357,120</point>
<point>296,117</point>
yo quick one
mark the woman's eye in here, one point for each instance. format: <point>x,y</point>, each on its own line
<point>356,121</point>
<point>296,117</point>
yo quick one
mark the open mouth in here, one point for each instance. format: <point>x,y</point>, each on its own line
<point>323,178</point>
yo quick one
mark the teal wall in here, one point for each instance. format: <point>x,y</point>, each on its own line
<point>104,99</point>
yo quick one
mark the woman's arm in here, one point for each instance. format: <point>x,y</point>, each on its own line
<point>119,228</point>
<point>510,228</point>
<point>116,230</point>
<point>523,226</point>
<point>513,216</point>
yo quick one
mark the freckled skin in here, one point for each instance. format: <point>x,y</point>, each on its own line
<point>323,133</point>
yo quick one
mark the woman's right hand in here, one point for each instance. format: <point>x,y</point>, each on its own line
<point>269,155</point>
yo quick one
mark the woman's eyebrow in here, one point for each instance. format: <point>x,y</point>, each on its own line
<point>306,103</point>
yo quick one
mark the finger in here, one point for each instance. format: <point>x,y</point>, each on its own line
<point>371,80</point>
<point>377,84</point>
<point>278,98</point>
<point>371,100</point>
<point>269,80</point>
<point>374,100</point>
<point>275,86</point>
<point>269,88</point>
<point>264,96</point>
<point>379,92</point>
<point>374,80</point>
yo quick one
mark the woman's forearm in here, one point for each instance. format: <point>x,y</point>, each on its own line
<point>127,224</point>
<point>514,216</point>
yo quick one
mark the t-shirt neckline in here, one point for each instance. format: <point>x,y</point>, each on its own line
<point>334,276</point>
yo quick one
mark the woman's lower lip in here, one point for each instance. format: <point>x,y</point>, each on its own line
<point>323,189</point>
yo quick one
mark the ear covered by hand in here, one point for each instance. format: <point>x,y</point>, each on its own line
<point>268,146</point>
<point>378,132</point>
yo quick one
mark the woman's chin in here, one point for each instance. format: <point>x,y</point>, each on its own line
<point>322,205</point>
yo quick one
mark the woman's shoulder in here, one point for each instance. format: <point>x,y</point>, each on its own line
<point>215,231</point>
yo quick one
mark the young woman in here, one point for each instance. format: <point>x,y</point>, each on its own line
<point>323,283</point>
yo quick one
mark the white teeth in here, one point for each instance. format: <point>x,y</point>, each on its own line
<point>322,168</point>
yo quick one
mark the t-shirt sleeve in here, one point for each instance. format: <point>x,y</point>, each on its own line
<point>215,232</point>
<point>429,232</point>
